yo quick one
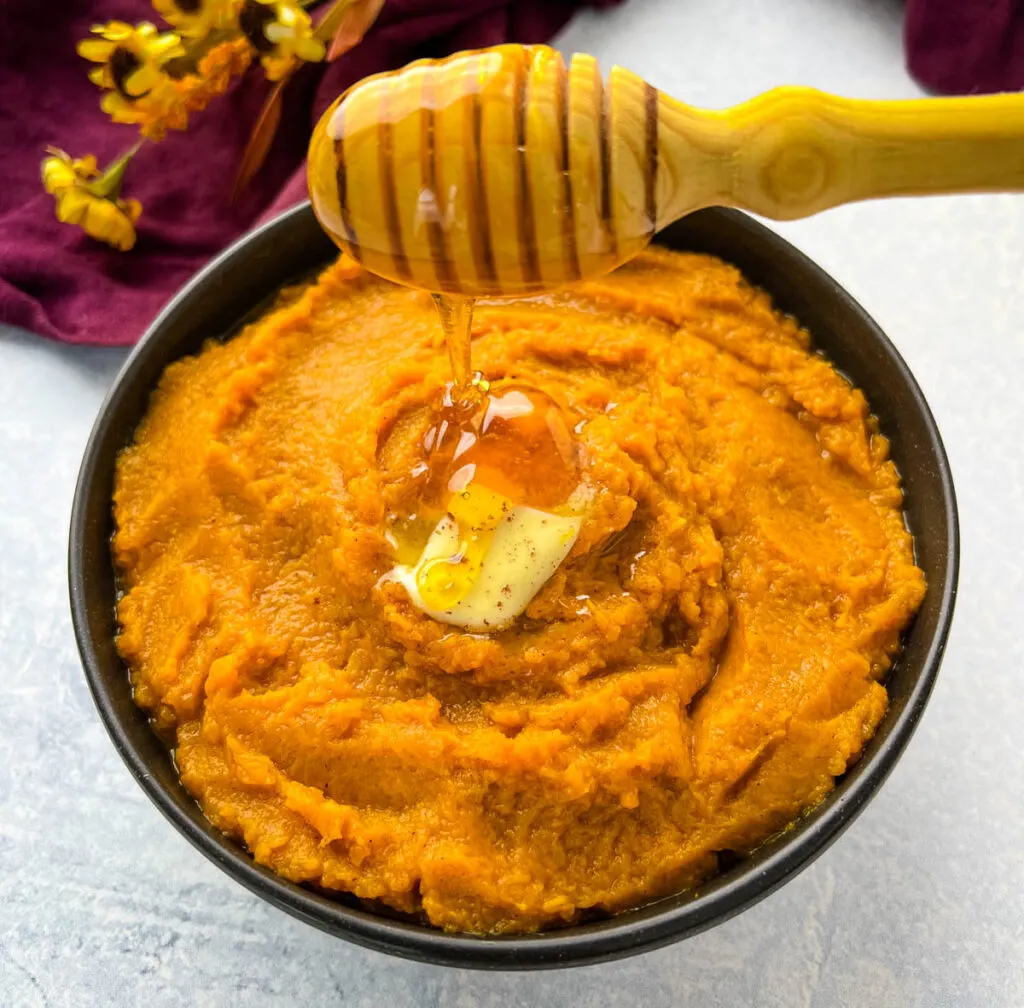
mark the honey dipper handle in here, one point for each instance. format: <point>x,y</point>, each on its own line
<point>795,151</point>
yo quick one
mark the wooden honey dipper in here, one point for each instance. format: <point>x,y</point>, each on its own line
<point>498,173</point>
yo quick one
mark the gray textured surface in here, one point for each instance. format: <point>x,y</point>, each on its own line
<point>101,903</point>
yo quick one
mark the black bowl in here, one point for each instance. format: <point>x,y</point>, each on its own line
<point>237,284</point>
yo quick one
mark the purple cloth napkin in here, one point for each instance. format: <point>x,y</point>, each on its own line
<point>966,46</point>
<point>56,281</point>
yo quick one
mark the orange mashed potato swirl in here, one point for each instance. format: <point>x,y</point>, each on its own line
<point>708,658</point>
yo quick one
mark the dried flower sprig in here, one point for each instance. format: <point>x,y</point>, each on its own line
<point>155,79</point>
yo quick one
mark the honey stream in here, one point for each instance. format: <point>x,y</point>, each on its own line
<point>456,314</point>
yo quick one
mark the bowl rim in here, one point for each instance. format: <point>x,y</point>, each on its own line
<point>642,929</point>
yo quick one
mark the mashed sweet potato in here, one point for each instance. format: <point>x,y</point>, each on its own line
<point>705,662</point>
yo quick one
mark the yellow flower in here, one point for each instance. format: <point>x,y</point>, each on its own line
<point>131,70</point>
<point>282,33</point>
<point>89,199</point>
<point>197,18</point>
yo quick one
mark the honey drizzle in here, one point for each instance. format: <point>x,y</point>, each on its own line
<point>488,449</point>
<point>456,314</point>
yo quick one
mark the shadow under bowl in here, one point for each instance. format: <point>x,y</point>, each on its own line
<point>238,284</point>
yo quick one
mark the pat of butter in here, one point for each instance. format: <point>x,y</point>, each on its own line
<point>525,550</point>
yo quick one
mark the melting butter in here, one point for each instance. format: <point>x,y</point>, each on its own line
<point>486,559</point>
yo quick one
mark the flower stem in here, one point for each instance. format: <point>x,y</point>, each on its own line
<point>108,185</point>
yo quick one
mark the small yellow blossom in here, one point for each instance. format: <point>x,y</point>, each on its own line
<point>131,58</point>
<point>281,32</point>
<point>90,200</point>
<point>197,18</point>
<point>131,71</point>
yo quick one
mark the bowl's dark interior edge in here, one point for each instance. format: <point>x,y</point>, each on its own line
<point>224,293</point>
